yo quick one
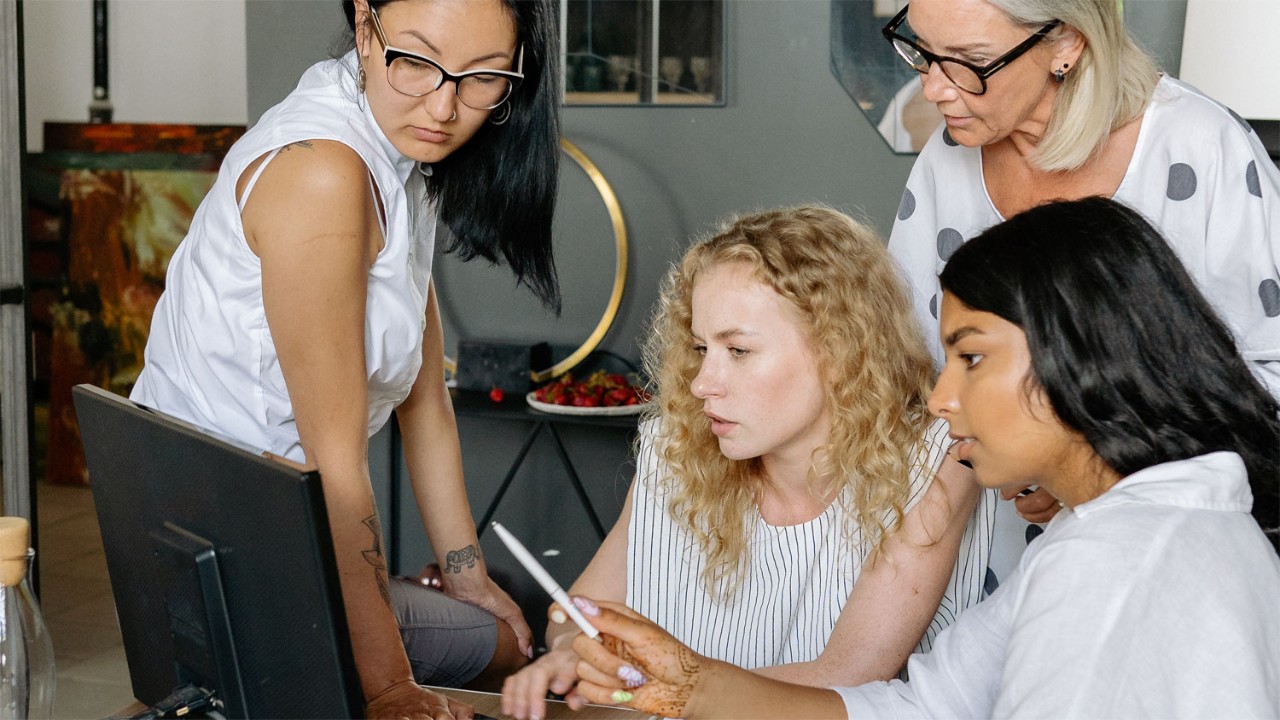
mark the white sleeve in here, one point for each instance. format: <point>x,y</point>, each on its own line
<point>958,678</point>
<point>1242,244</point>
<point>1146,622</point>
<point>1207,183</point>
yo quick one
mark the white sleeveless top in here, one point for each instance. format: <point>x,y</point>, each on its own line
<point>798,579</point>
<point>210,358</point>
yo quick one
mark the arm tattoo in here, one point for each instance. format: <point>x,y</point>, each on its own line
<point>455,559</point>
<point>374,557</point>
<point>301,143</point>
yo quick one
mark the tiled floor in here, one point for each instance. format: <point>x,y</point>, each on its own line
<point>75,596</point>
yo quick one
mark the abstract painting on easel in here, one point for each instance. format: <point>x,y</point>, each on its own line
<point>125,197</point>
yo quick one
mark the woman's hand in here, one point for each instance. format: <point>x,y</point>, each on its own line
<point>638,664</point>
<point>430,575</point>
<point>412,701</point>
<point>487,596</point>
<point>524,694</point>
<point>1037,507</point>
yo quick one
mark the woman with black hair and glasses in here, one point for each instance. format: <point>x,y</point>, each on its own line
<point>299,310</point>
<point>1081,357</point>
<point>1051,99</point>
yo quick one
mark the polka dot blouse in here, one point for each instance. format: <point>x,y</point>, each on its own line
<point>1198,173</point>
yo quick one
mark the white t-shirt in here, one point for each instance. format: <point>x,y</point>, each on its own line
<point>210,358</point>
<point>1199,174</point>
<point>798,580</point>
<point>1157,599</point>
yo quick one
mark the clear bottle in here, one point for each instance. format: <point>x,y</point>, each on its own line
<point>26,650</point>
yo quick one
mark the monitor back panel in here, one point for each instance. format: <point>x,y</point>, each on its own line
<point>268,525</point>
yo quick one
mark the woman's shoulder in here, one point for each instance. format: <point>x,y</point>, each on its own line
<point>942,154</point>
<point>944,169</point>
<point>323,107</point>
<point>320,168</point>
<point>1181,114</point>
<point>931,448</point>
<point>929,453</point>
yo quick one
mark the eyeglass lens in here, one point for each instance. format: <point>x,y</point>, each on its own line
<point>963,76</point>
<point>481,91</point>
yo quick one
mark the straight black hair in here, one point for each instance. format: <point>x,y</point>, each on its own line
<point>497,193</point>
<point>1126,348</point>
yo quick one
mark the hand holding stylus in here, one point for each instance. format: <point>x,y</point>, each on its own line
<point>544,579</point>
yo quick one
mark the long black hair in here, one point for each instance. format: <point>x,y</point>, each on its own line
<point>497,193</point>
<point>1125,347</point>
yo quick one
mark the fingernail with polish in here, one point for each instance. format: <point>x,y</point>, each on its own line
<point>586,606</point>
<point>630,676</point>
<point>558,617</point>
<point>621,696</point>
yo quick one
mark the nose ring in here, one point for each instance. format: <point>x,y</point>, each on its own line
<point>454,116</point>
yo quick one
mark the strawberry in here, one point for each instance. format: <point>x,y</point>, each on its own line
<point>599,389</point>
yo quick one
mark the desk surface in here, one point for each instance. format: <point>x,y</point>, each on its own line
<point>491,704</point>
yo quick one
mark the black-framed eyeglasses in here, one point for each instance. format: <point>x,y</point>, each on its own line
<point>416,75</point>
<point>965,75</point>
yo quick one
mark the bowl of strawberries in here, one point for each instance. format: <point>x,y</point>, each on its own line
<point>601,393</point>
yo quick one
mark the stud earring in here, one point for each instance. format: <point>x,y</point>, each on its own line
<point>1061,73</point>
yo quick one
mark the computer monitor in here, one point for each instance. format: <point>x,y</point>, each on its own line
<point>221,565</point>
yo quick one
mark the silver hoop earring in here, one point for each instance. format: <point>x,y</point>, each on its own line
<point>501,114</point>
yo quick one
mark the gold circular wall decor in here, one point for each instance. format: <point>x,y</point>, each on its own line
<point>611,204</point>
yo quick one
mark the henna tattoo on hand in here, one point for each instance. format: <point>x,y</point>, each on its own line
<point>455,559</point>
<point>666,697</point>
<point>374,557</point>
<point>688,661</point>
<point>673,698</point>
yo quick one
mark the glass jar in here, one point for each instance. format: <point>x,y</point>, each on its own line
<point>26,650</point>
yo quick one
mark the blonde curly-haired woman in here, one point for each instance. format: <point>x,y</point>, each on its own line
<point>794,510</point>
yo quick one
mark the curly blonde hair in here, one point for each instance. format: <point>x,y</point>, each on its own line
<point>837,273</point>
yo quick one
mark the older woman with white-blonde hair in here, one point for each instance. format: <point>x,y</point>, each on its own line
<point>1051,99</point>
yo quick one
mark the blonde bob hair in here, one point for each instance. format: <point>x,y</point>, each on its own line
<point>838,275</point>
<point>1109,86</point>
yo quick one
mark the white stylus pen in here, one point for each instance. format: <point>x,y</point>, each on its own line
<point>544,578</point>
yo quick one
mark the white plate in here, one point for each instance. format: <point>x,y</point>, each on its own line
<point>574,410</point>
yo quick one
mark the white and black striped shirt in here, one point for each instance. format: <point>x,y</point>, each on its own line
<point>798,580</point>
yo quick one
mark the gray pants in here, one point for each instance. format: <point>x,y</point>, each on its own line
<point>448,641</point>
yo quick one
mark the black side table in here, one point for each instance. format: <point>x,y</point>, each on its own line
<point>477,404</point>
